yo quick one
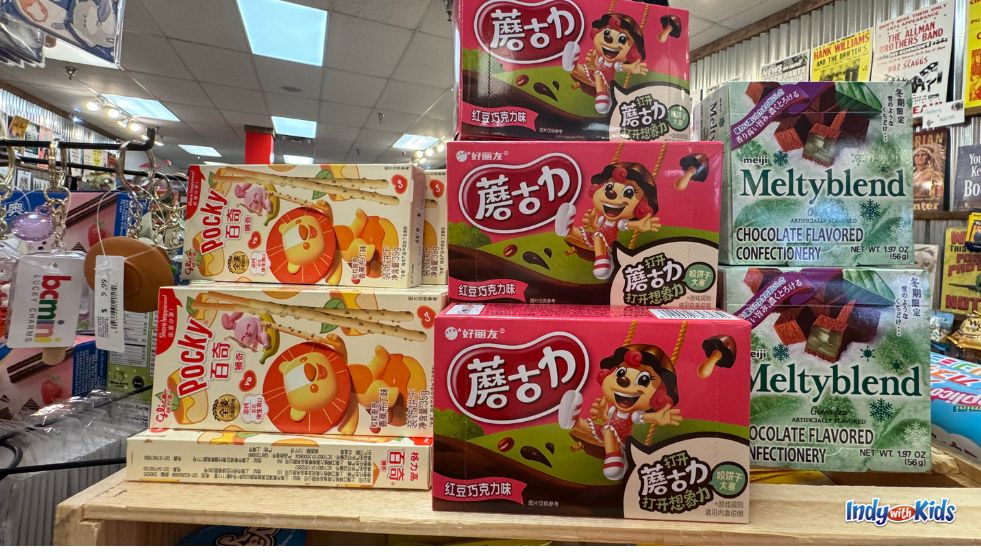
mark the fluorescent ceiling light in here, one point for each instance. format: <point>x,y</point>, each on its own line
<point>213,163</point>
<point>284,30</point>
<point>297,159</point>
<point>140,107</point>
<point>295,127</point>
<point>66,52</point>
<point>203,151</point>
<point>414,142</point>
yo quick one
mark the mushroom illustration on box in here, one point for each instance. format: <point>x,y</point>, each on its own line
<point>296,359</point>
<point>305,224</point>
<point>632,223</point>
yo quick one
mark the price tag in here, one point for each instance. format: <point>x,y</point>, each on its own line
<point>109,303</point>
<point>941,115</point>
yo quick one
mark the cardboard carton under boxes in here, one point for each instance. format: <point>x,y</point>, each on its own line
<point>296,359</point>
<point>816,173</point>
<point>841,366</point>
<point>305,224</point>
<point>236,456</point>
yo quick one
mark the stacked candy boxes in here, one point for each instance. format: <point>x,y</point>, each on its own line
<point>612,411</point>
<point>240,359</point>
<point>572,69</point>
<point>306,224</point>
<point>634,223</point>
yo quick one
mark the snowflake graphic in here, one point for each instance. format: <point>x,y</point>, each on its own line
<point>781,352</point>
<point>902,232</point>
<point>916,433</point>
<point>868,354</point>
<point>780,158</point>
<point>871,210</point>
<point>897,367</point>
<point>881,410</point>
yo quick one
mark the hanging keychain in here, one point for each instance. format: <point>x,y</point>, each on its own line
<point>45,297</point>
<point>8,255</point>
<point>145,267</point>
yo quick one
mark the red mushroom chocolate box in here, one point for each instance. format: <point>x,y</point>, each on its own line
<point>621,412</point>
<point>572,69</point>
<point>629,223</point>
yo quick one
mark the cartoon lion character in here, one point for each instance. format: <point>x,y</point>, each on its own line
<point>618,47</point>
<point>310,383</point>
<point>639,386</point>
<point>303,242</point>
<point>624,198</point>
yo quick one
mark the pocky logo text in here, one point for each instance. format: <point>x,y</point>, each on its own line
<point>193,344</point>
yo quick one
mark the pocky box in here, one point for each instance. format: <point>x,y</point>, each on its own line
<point>584,222</point>
<point>603,411</point>
<point>572,69</point>
<point>840,366</point>
<point>296,359</point>
<point>434,232</point>
<point>305,224</point>
<point>245,457</point>
<point>816,173</point>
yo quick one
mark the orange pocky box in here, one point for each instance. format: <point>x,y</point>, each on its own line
<point>305,224</point>
<point>434,231</point>
<point>296,359</point>
<point>246,457</point>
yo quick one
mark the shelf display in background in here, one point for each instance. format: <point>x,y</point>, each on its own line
<point>845,59</point>
<point>916,47</point>
<point>840,374</point>
<point>930,168</point>
<point>926,257</point>
<point>961,275</point>
<point>572,69</point>
<point>956,405</point>
<point>793,68</point>
<point>972,58</point>
<point>817,173</point>
<point>634,223</point>
<point>966,191</point>
<point>599,411</point>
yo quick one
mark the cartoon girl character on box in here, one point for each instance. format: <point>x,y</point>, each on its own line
<point>624,197</point>
<point>618,47</point>
<point>638,387</point>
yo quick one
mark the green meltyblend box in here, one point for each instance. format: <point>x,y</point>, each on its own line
<point>816,173</point>
<point>840,366</point>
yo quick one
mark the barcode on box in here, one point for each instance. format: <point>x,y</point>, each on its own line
<point>472,309</point>
<point>678,314</point>
<point>113,307</point>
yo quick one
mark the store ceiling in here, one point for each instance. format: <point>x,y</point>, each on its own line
<point>382,56</point>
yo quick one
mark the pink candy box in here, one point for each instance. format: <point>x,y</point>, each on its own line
<point>609,411</point>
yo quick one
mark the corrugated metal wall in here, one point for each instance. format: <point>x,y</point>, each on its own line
<point>742,62</point>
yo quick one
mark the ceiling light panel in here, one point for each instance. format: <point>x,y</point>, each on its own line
<point>284,30</point>
<point>202,151</point>
<point>141,107</point>
<point>294,127</point>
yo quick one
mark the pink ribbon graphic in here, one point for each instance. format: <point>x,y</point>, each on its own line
<point>497,117</point>
<point>478,490</point>
<point>488,290</point>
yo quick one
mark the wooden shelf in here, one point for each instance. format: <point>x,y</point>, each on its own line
<point>940,215</point>
<point>122,512</point>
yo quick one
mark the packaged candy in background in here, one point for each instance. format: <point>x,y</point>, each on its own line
<point>967,338</point>
<point>592,411</point>
<point>840,366</point>
<point>572,70</point>
<point>434,261</point>
<point>305,224</point>
<point>296,359</point>
<point>584,222</point>
<point>95,26</point>
<point>191,456</point>
<point>816,173</point>
<point>956,405</point>
<point>940,325</point>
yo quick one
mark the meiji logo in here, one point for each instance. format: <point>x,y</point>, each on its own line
<point>528,32</point>
<point>46,318</point>
<point>921,511</point>
<point>509,199</point>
